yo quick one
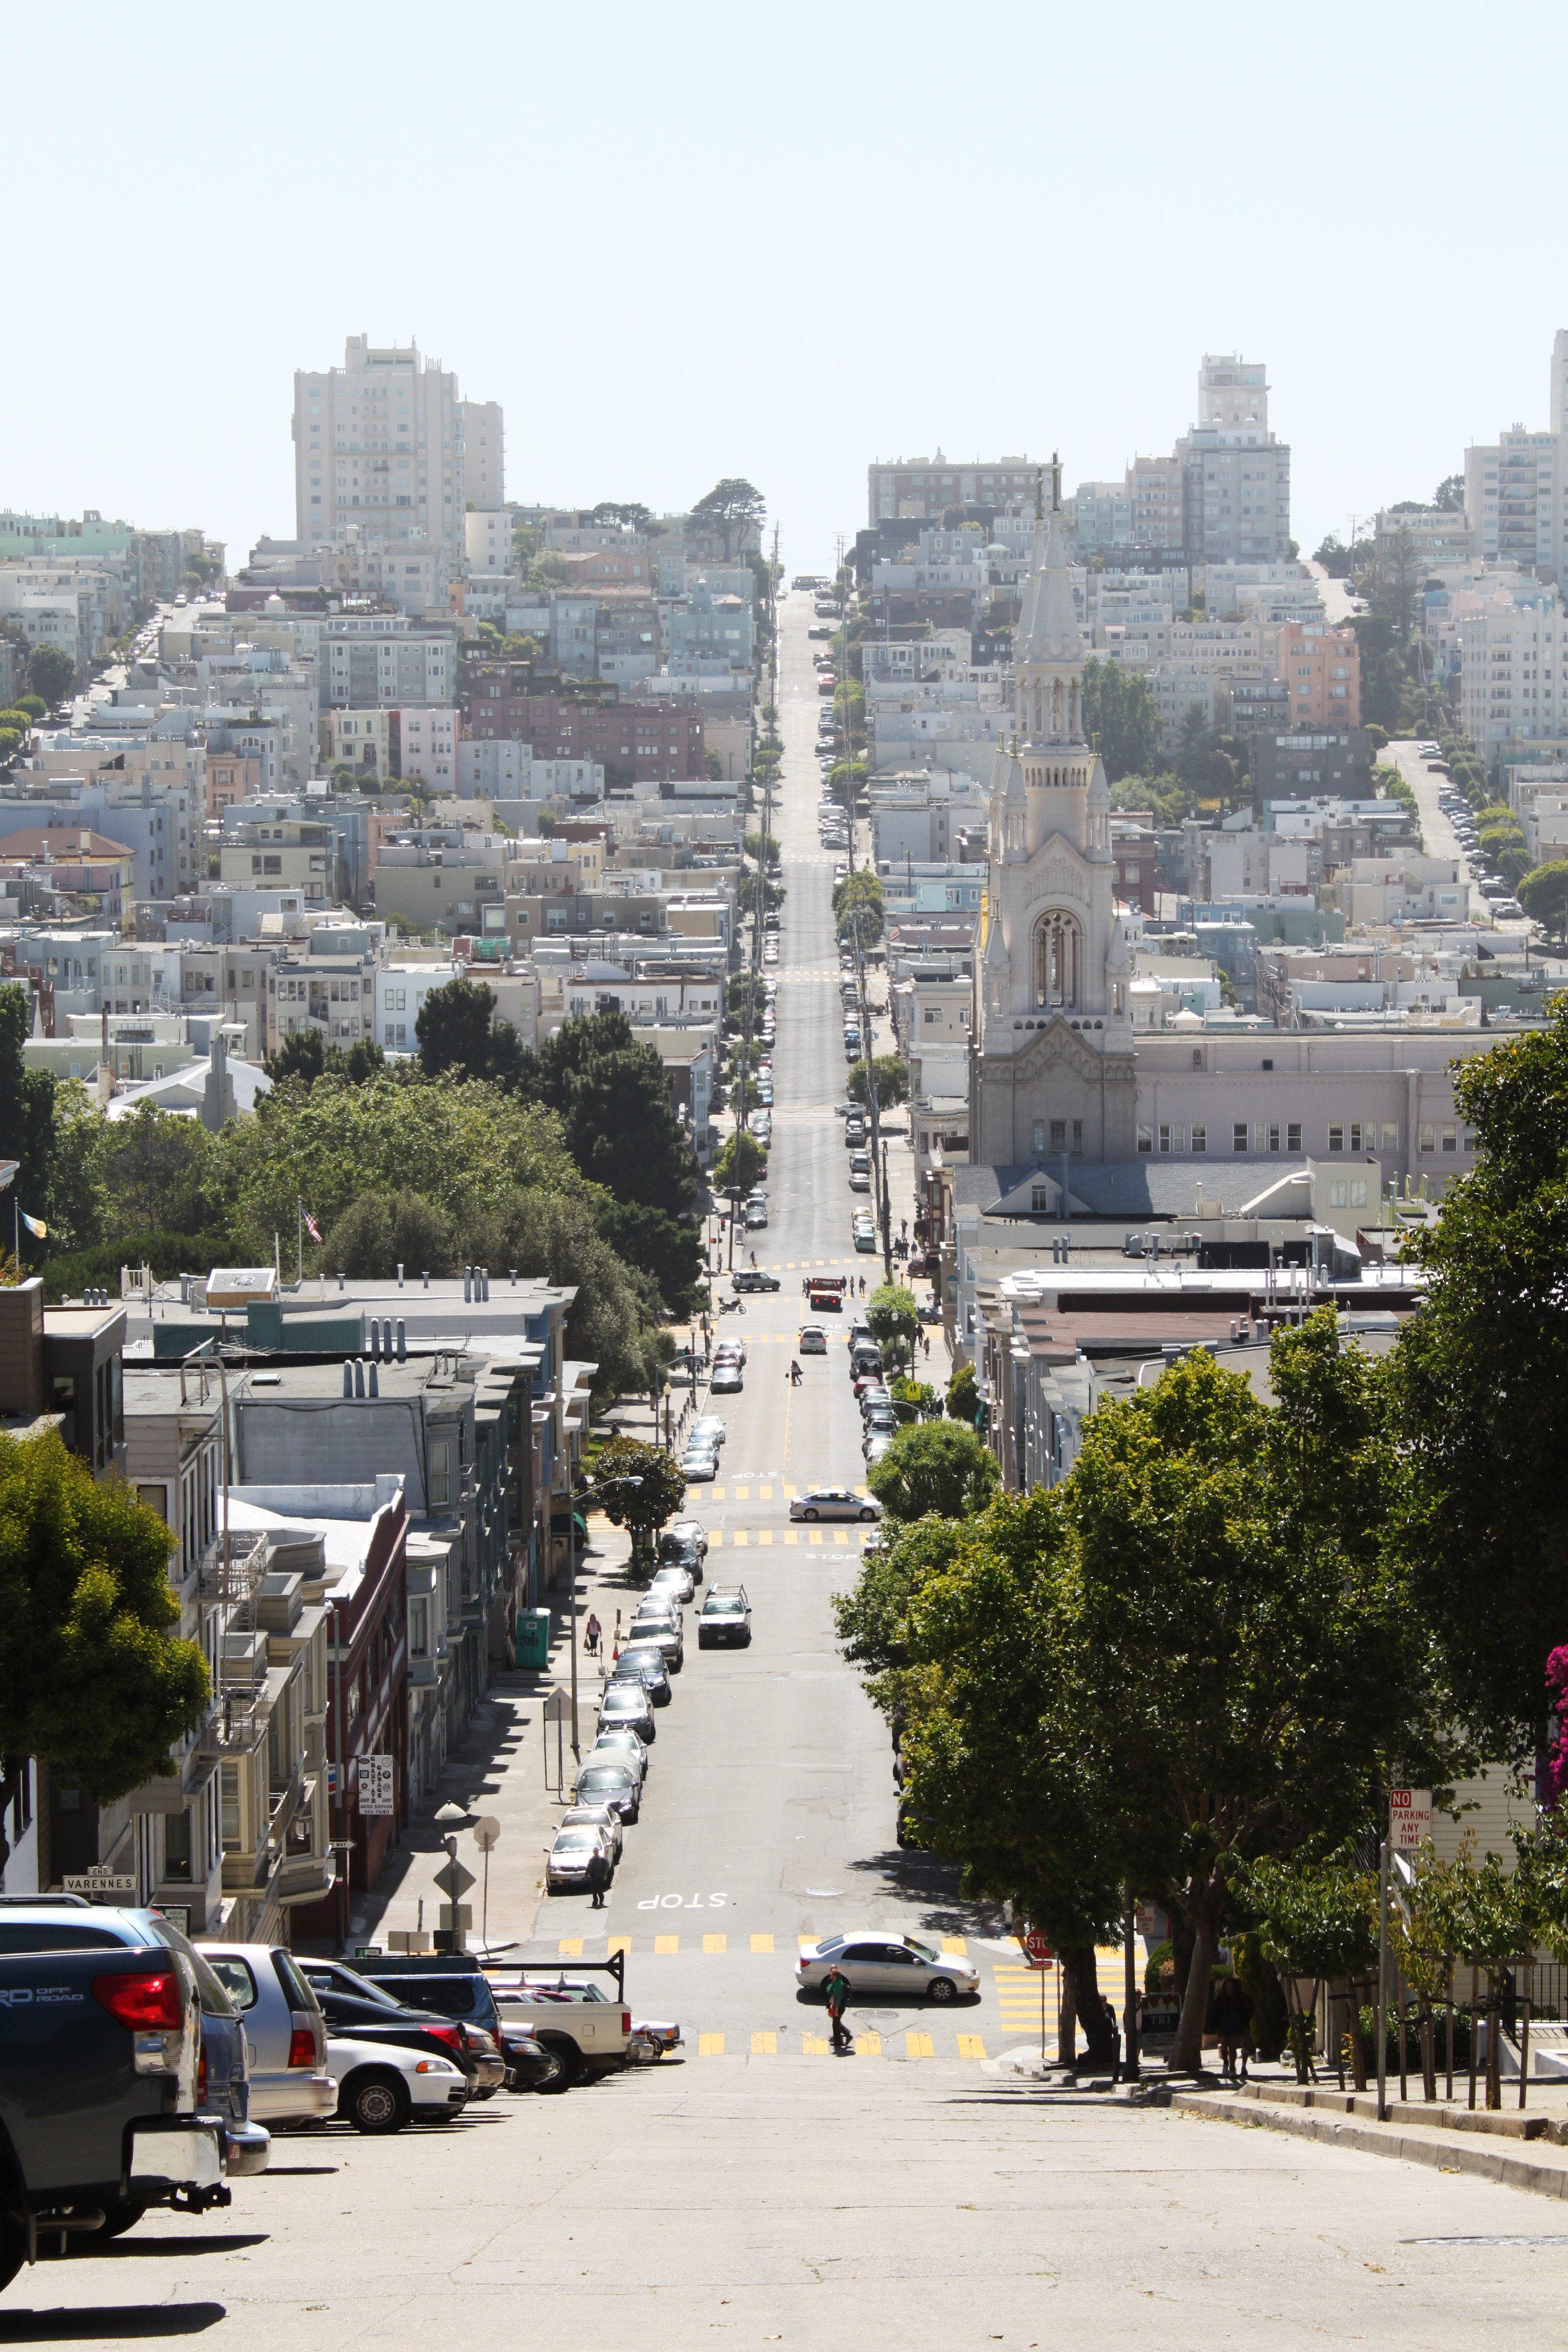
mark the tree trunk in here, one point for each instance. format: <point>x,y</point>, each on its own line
<point>1079,1971</point>
<point>1181,1948</point>
<point>1066,2015</point>
<point>1358,2047</point>
<point>1186,2055</point>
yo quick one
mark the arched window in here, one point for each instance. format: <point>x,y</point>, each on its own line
<point>1059,962</point>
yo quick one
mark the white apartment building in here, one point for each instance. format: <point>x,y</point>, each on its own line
<point>384,658</point>
<point>922,489</point>
<point>378,444</point>
<point>1516,487</point>
<point>1514,678</point>
<point>400,992</point>
<point>500,769</point>
<point>484,453</point>
<point>1233,393</point>
<point>488,538</point>
<point>425,742</point>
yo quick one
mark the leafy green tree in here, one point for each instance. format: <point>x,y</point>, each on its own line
<point>739,1164</point>
<point>381,1231</point>
<point>667,1249</point>
<point>873,1616</point>
<point>457,1030</point>
<point>27,1130</point>
<point>732,506</point>
<point>754,847</point>
<point>34,705</point>
<point>158,1173</point>
<point>1483,1387</point>
<point>893,1314</point>
<point>892,1081</point>
<point>963,1393</point>
<point>51,674</point>
<point>1316,1919</point>
<point>1543,895</point>
<point>93,1677</point>
<point>1449,497</point>
<point>609,1091</point>
<point>615,1320</point>
<point>858,907</point>
<point>629,512</point>
<point>648,1506</point>
<point>935,1465</point>
<point>1121,715</point>
<point>746,894</point>
<point>712,763</point>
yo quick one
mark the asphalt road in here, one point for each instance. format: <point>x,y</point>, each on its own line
<point>1438,838</point>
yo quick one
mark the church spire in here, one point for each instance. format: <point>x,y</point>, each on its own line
<point>1048,636</point>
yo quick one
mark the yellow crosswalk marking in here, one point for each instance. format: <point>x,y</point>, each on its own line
<point>919,2045</point>
<point>570,1947</point>
<point>789,1494</point>
<point>790,1536</point>
<point>764,1534</point>
<point>765,1494</point>
<point>715,1943</point>
<point>814,1535</point>
<point>807,1943</point>
<point>666,1943</point>
<point>740,1494</point>
<point>764,2045</point>
<point>618,1944</point>
<point>839,1537</point>
<point>762,1943</point>
<point>709,2045</point>
<point>956,1945</point>
<point>740,1536</point>
<point>814,2045</point>
<point>715,1494</point>
<point>969,2045</point>
<point>869,2045</point>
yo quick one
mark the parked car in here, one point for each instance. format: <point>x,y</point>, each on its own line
<point>727,1381</point>
<point>682,1532</point>
<point>859,1180</point>
<point>381,2088</point>
<point>629,1704</point>
<point>601,1817</point>
<point>291,2082</point>
<point>725,1617</point>
<point>570,1854</point>
<point>875,1447</point>
<point>752,1277</point>
<point>604,1778</point>
<point>835,1503</point>
<point>710,1425</point>
<point>354,2006</point>
<point>881,1421</point>
<point>123,2075</point>
<point>700,1465</point>
<point>657,1621</point>
<point>617,1744</point>
<point>452,1984</point>
<point>900,1966</point>
<point>643,1662</point>
<point>675,1578</point>
<point>587,2031</point>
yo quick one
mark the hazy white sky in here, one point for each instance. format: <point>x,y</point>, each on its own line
<point>702,240</point>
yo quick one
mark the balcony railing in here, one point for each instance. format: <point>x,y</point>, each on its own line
<point>234,1575</point>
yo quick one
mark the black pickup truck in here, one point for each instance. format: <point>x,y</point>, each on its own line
<point>99,2052</point>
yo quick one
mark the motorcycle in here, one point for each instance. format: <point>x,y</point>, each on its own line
<point>731,1307</point>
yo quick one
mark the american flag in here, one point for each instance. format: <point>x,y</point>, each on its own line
<point>312,1227</point>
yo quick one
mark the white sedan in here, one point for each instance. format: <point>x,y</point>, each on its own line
<point>380,2086</point>
<point>894,1967</point>
<point>833,1502</point>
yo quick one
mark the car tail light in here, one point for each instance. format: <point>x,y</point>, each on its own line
<point>302,2045</point>
<point>201,2078</point>
<point>452,2035</point>
<point>626,2021</point>
<point>152,2001</point>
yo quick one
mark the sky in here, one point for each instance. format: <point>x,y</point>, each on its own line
<point>699,241</point>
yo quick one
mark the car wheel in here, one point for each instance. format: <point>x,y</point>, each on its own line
<point>941,1988</point>
<point>569,2060</point>
<point>375,2103</point>
<point>548,2079</point>
<point>808,1515</point>
<point>118,2219</point>
<point>13,2248</point>
<point>868,1514</point>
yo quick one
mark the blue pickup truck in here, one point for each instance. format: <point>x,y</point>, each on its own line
<point>105,2105</point>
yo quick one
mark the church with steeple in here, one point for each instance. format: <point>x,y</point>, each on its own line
<point>1052,1059</point>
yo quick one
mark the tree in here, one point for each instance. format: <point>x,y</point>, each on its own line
<point>93,1678</point>
<point>302,1056</point>
<point>746,894</point>
<point>51,674</point>
<point>1449,497</point>
<point>1483,1387</point>
<point>648,1506</point>
<point>1334,556</point>
<point>858,907</point>
<point>629,512</point>
<point>381,1231</point>
<point>457,1030</point>
<point>712,763</point>
<point>758,846</point>
<point>27,1103</point>
<point>1121,716</point>
<point>667,1249</point>
<point>609,1090</point>
<point>1543,895</point>
<point>158,1173</point>
<point>892,1080</point>
<point>935,1465</point>
<point>739,1164</point>
<point>963,1393</point>
<point>893,1314</point>
<point>732,506</point>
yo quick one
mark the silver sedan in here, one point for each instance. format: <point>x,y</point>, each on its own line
<point>896,1968</point>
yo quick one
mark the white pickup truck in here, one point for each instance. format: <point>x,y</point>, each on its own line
<point>587,2026</point>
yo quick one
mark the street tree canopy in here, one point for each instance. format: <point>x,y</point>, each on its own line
<point>1121,715</point>
<point>51,673</point>
<point>858,907</point>
<point>739,1164</point>
<point>457,1030</point>
<point>608,1089</point>
<point>1543,895</point>
<point>892,1080</point>
<point>893,1314</point>
<point>1483,1387</point>
<point>935,1465</point>
<point>93,1678</point>
<point>650,1505</point>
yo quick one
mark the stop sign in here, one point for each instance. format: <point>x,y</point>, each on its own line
<point>1037,1950</point>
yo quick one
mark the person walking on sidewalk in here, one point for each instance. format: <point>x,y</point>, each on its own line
<point>593,1632</point>
<point>1232,2023</point>
<point>836,1992</point>
<point>598,1875</point>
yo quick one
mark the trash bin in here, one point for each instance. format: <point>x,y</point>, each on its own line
<point>533,1637</point>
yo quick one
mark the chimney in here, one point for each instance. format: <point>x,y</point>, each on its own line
<point>427,1281</point>
<point>402,1343</point>
<point>348,1378</point>
<point>375,1380</point>
<point>468,1285</point>
<point>400,1276</point>
<point>359,1375</point>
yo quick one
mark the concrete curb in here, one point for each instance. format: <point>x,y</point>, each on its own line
<point>1442,2152</point>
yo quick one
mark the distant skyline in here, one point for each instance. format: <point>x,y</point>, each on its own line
<point>682,245</point>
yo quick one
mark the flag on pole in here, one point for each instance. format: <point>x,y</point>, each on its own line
<point>312,1227</point>
<point>35,1226</point>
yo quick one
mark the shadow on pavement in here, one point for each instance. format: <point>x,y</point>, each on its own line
<point>121,2249</point>
<point>132,2321</point>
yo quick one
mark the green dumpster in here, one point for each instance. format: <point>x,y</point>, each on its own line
<point>533,1637</point>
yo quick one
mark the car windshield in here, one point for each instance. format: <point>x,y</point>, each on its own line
<point>921,1952</point>
<point>724,1608</point>
<point>643,1653</point>
<point>574,1839</point>
<point>605,1776</point>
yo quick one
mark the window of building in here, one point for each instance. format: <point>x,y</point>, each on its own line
<point>1145,1137</point>
<point>1390,1136</point>
<point>1429,1137</point>
<point>1336,1139</point>
<point>1197,1057</point>
<point>1058,1135</point>
<point>1239,1135</point>
<point>1450,1139</point>
<point>1164,1135</point>
<point>177,1846</point>
<point>441,1475</point>
<point>1200,1138</point>
<point>1037,1138</point>
<point>1039,1200</point>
